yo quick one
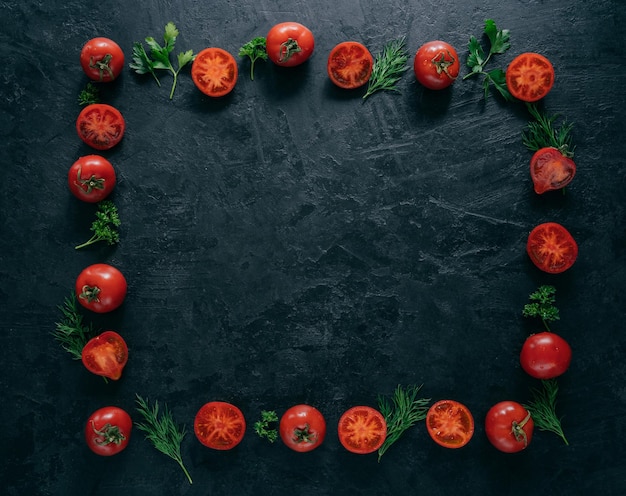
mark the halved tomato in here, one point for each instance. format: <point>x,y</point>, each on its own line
<point>450,424</point>
<point>551,248</point>
<point>350,65</point>
<point>214,72</point>
<point>106,355</point>
<point>550,169</point>
<point>362,429</point>
<point>101,126</point>
<point>529,77</point>
<point>219,425</point>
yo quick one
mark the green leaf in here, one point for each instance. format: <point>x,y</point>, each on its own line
<point>184,58</point>
<point>499,39</point>
<point>498,78</point>
<point>141,62</point>
<point>171,33</point>
<point>476,57</point>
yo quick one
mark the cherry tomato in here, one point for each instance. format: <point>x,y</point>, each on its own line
<point>289,44</point>
<point>106,355</point>
<point>509,426</point>
<point>545,355</point>
<point>551,248</point>
<point>302,428</point>
<point>529,77</point>
<point>436,65</point>
<point>102,59</point>
<point>107,431</point>
<point>91,178</point>
<point>450,424</point>
<point>362,429</point>
<point>101,126</point>
<point>550,169</point>
<point>350,65</point>
<point>219,425</point>
<point>214,72</point>
<point>101,288</point>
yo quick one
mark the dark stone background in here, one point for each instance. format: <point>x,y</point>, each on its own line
<point>290,243</point>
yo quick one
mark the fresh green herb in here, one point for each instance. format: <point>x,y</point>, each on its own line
<point>389,65</point>
<point>261,427</point>
<point>542,305</point>
<point>71,332</point>
<point>162,431</point>
<point>542,408</point>
<point>542,133</point>
<point>476,61</point>
<point>88,95</point>
<point>159,57</point>
<point>105,226</point>
<point>255,50</point>
<point>404,410</point>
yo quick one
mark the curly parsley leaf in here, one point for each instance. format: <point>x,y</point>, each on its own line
<point>262,427</point>
<point>255,49</point>
<point>542,305</point>
<point>104,227</point>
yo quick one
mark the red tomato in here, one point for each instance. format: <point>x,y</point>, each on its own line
<point>219,425</point>
<point>302,428</point>
<point>102,59</point>
<point>107,431</point>
<point>545,355</point>
<point>436,65</point>
<point>550,169</point>
<point>509,426</point>
<point>214,72</point>
<point>529,77</point>
<point>551,248</point>
<point>106,355</point>
<point>91,178</point>
<point>289,44</point>
<point>450,424</point>
<point>100,126</point>
<point>362,429</point>
<point>101,288</point>
<point>350,65</point>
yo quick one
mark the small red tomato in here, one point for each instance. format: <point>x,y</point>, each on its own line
<point>551,248</point>
<point>289,44</point>
<point>436,65</point>
<point>214,72</point>
<point>302,428</point>
<point>509,426</point>
<point>100,126</point>
<point>91,178</point>
<point>362,430</point>
<point>106,355</point>
<point>550,169</point>
<point>529,77</point>
<point>107,431</point>
<point>545,355</point>
<point>350,65</point>
<point>102,59</point>
<point>219,425</point>
<point>101,288</point>
<point>450,424</point>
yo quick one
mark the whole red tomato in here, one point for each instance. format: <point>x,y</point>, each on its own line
<point>302,428</point>
<point>91,178</point>
<point>436,65</point>
<point>101,288</point>
<point>545,355</point>
<point>107,431</point>
<point>106,355</point>
<point>509,426</point>
<point>289,44</point>
<point>102,59</point>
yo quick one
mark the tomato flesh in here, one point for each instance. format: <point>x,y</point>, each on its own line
<point>550,170</point>
<point>350,65</point>
<point>100,126</point>
<point>545,355</point>
<point>219,425</point>
<point>214,72</point>
<point>529,77</point>
<point>551,248</point>
<point>106,355</point>
<point>450,424</point>
<point>362,429</point>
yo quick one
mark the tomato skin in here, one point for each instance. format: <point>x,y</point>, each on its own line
<point>302,428</point>
<point>219,425</point>
<point>509,426</point>
<point>529,77</point>
<point>450,424</point>
<point>436,65</point>
<point>91,178</point>
<point>350,65</point>
<point>107,431</point>
<point>545,355</point>
<point>101,288</point>
<point>100,126</point>
<point>551,248</point>
<point>289,44</point>
<point>102,59</point>
<point>362,430</point>
<point>550,170</point>
<point>214,72</point>
<point>106,355</point>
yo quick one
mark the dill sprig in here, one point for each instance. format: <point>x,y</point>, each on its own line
<point>389,65</point>
<point>542,408</point>
<point>542,305</point>
<point>542,133</point>
<point>71,332</point>
<point>105,226</point>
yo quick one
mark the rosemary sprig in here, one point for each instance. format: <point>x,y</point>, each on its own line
<point>71,332</point>
<point>389,65</point>
<point>542,408</point>
<point>404,410</point>
<point>542,133</point>
<point>542,305</point>
<point>162,431</point>
<point>262,427</point>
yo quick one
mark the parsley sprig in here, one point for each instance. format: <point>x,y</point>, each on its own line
<point>104,227</point>
<point>389,65</point>
<point>542,305</point>
<point>89,94</point>
<point>255,50</point>
<point>159,57</point>
<point>262,427</point>
<point>542,132</point>
<point>542,408</point>
<point>71,331</point>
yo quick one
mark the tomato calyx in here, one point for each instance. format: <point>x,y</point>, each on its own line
<point>102,65</point>
<point>90,293</point>
<point>517,429</point>
<point>288,49</point>
<point>89,184</point>
<point>304,435</point>
<point>442,65</point>
<point>108,434</point>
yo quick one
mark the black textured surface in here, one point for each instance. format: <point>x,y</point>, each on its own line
<point>290,243</point>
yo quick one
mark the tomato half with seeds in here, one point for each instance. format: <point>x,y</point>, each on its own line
<point>550,170</point>
<point>219,425</point>
<point>107,431</point>
<point>450,424</point>
<point>350,65</point>
<point>101,288</point>
<point>436,65</point>
<point>91,178</point>
<point>362,430</point>
<point>530,77</point>
<point>302,428</point>
<point>214,72</point>
<point>101,126</point>
<point>551,248</point>
<point>102,59</point>
<point>509,426</point>
<point>545,355</point>
<point>289,44</point>
<point>106,355</point>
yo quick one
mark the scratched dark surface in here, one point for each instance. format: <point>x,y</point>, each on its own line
<point>291,243</point>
